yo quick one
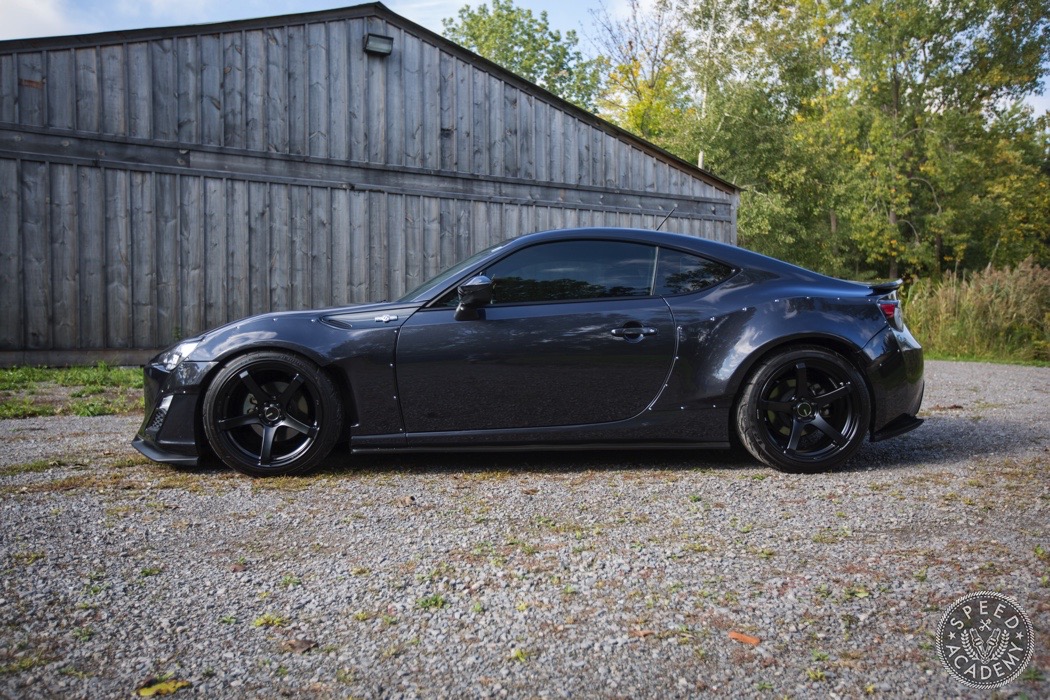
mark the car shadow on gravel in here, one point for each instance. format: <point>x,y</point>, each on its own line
<point>941,439</point>
<point>343,463</point>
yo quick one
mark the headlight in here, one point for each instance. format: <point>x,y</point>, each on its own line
<point>170,358</point>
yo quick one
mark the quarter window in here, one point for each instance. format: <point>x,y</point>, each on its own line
<point>572,270</point>
<point>682,273</point>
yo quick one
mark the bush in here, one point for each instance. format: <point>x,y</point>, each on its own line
<point>995,314</point>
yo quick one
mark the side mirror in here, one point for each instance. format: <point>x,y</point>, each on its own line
<point>473,294</point>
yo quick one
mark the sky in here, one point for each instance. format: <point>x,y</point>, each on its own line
<point>21,19</point>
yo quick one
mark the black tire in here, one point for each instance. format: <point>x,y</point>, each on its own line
<point>272,414</point>
<point>812,429</point>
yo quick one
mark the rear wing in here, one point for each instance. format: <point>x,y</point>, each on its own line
<point>886,287</point>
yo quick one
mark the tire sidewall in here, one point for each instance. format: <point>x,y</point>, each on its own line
<point>322,394</point>
<point>750,425</point>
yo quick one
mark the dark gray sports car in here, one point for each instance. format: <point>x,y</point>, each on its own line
<point>587,338</point>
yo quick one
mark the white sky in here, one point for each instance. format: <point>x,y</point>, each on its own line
<point>34,18</point>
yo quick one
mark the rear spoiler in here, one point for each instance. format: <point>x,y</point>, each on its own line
<point>885,287</point>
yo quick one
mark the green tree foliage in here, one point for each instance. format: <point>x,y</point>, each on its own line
<point>870,137</point>
<point>516,39</point>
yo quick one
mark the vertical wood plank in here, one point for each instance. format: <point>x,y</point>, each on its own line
<point>187,57</point>
<point>215,247</point>
<point>357,106</point>
<point>298,80</point>
<point>340,226</point>
<point>431,236</point>
<point>211,109</point>
<point>140,93</point>
<point>192,278</point>
<point>448,226</point>
<point>319,282</point>
<point>65,301</point>
<point>556,171</point>
<point>86,90</point>
<point>464,109</point>
<point>11,269</point>
<point>448,111</point>
<point>238,249</point>
<point>318,104</point>
<point>411,96</point>
<point>338,92</point>
<point>376,122</point>
<point>276,98</point>
<point>164,91</point>
<point>511,154</point>
<point>36,246</point>
<point>8,88</point>
<point>234,74</point>
<point>526,138</point>
<point>167,259</point>
<point>479,123</point>
<point>393,114</point>
<point>280,240</point>
<point>258,247</point>
<point>396,252</point>
<point>378,241</point>
<point>114,91</point>
<point>413,233</point>
<point>143,261</point>
<point>255,87</point>
<point>31,89</point>
<point>91,268</point>
<point>61,95</point>
<point>431,117</point>
<point>496,136</point>
<point>299,249</point>
<point>359,247</point>
<point>119,312</point>
<point>542,139</point>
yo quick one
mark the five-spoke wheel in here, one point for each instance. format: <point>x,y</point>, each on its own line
<point>272,413</point>
<point>803,410</point>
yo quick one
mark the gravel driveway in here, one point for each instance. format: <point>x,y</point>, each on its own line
<point>627,574</point>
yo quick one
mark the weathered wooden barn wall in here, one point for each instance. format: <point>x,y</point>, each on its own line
<point>157,183</point>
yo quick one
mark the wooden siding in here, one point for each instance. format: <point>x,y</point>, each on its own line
<point>154,185</point>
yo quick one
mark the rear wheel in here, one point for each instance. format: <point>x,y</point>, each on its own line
<point>272,413</point>
<point>803,410</point>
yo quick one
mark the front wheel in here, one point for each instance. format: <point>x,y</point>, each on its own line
<point>271,414</point>
<point>803,410</point>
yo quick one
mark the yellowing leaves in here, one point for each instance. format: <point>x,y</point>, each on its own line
<point>155,687</point>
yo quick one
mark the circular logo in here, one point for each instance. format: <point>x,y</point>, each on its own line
<point>985,640</point>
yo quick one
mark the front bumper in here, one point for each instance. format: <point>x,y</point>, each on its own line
<point>171,430</point>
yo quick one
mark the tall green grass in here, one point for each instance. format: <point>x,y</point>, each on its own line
<point>1001,315</point>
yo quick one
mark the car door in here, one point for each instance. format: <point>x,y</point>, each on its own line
<point>573,336</point>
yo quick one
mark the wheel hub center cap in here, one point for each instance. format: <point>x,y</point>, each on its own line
<point>271,413</point>
<point>804,409</point>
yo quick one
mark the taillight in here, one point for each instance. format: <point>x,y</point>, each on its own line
<point>891,309</point>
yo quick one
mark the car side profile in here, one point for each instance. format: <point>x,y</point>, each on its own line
<point>570,339</point>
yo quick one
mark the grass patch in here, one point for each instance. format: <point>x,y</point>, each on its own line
<point>98,390</point>
<point>996,315</point>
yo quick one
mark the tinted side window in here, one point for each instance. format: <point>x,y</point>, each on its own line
<point>681,273</point>
<point>571,270</point>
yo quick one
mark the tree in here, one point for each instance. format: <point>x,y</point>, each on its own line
<point>520,42</point>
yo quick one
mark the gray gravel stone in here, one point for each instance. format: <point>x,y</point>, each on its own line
<point>551,575</point>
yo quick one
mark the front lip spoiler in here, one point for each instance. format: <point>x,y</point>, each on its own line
<point>897,426</point>
<point>159,455</point>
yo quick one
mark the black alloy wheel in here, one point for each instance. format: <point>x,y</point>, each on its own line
<point>272,413</point>
<point>804,410</point>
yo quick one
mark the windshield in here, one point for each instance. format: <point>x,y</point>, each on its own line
<point>424,290</point>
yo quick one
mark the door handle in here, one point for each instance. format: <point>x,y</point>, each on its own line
<point>632,332</point>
